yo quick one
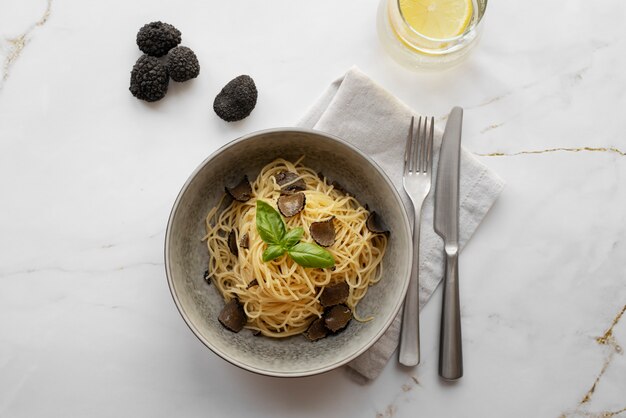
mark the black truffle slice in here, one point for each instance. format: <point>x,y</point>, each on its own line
<point>291,204</point>
<point>233,317</point>
<point>335,294</point>
<point>289,182</point>
<point>232,243</point>
<point>337,317</point>
<point>254,282</point>
<point>182,64</point>
<point>316,330</point>
<point>241,192</point>
<point>207,277</point>
<point>237,99</point>
<point>323,232</point>
<point>244,242</point>
<point>375,224</point>
<point>156,38</point>
<point>149,79</point>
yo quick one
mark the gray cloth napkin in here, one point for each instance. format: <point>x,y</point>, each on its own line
<point>363,113</point>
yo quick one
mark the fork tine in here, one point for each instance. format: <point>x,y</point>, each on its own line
<point>407,148</point>
<point>418,145</point>
<point>415,159</point>
<point>425,138</point>
<point>430,145</point>
<point>423,144</point>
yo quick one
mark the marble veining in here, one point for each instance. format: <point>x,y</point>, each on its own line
<point>391,409</point>
<point>16,45</point>
<point>77,271</point>
<point>607,339</point>
<point>560,149</point>
<point>492,126</point>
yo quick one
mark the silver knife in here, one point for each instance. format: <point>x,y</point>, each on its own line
<point>447,226</point>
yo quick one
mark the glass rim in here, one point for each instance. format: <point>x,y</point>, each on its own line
<point>468,29</point>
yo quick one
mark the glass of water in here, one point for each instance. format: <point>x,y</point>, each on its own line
<point>430,34</point>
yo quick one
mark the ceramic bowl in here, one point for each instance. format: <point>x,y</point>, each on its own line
<point>186,256</point>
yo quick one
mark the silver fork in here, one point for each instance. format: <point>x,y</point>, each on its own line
<point>418,166</point>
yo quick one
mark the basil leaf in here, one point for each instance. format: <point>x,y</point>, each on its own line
<point>272,252</point>
<point>292,237</point>
<point>269,224</point>
<point>311,255</point>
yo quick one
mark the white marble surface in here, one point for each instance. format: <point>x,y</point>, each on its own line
<point>88,175</point>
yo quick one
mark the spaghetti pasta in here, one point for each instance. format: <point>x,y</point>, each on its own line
<point>281,298</point>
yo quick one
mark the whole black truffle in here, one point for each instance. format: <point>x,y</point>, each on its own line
<point>237,99</point>
<point>149,79</point>
<point>182,64</point>
<point>156,38</point>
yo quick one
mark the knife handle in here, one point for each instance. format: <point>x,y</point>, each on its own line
<point>450,349</point>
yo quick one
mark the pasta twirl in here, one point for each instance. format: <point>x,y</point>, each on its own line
<point>281,298</point>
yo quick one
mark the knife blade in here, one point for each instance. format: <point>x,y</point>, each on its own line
<point>447,226</point>
<point>448,174</point>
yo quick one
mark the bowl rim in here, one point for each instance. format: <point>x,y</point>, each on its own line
<point>259,370</point>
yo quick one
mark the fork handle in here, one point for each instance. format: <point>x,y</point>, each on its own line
<point>450,349</point>
<point>410,334</point>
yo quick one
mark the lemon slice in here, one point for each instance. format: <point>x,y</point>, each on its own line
<point>438,19</point>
